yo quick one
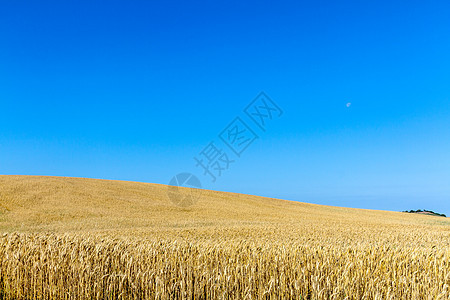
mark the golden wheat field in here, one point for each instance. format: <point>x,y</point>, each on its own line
<point>73,238</point>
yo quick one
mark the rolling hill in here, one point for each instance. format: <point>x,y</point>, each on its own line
<point>60,204</point>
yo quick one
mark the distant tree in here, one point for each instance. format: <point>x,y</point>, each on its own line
<point>425,211</point>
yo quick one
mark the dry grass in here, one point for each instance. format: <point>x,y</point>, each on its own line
<point>82,238</point>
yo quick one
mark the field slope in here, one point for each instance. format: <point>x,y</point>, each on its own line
<point>85,238</point>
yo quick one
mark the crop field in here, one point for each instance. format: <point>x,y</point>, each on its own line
<point>73,238</point>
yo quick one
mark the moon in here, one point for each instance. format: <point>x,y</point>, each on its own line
<point>348,104</point>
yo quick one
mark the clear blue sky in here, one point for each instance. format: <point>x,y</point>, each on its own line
<point>126,91</point>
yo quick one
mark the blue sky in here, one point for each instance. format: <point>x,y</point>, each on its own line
<point>133,91</point>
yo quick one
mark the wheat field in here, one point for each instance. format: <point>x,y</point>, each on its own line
<point>74,238</point>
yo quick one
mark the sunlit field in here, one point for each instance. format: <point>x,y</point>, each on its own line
<point>72,238</point>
